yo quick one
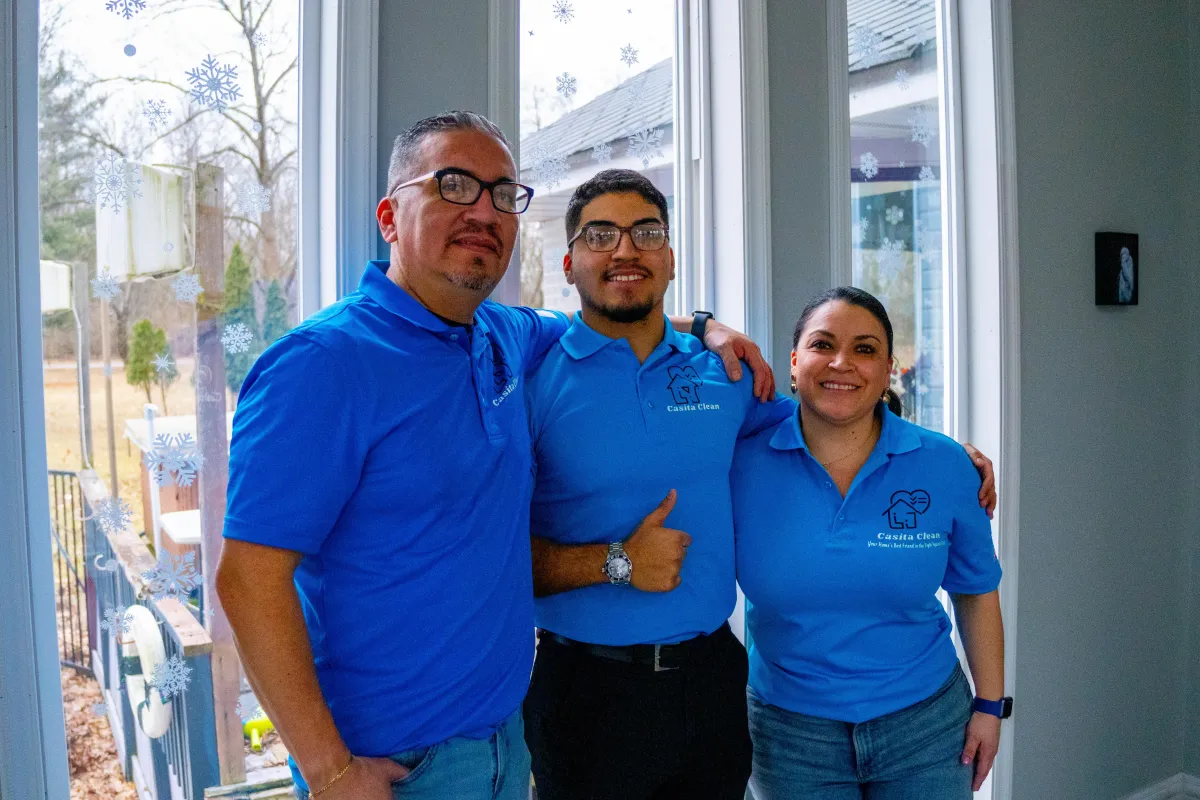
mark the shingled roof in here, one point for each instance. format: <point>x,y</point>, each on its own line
<point>893,29</point>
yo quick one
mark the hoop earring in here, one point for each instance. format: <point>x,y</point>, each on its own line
<point>793,386</point>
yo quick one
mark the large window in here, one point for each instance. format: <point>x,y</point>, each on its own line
<point>896,188</point>
<point>596,92</point>
<point>168,135</point>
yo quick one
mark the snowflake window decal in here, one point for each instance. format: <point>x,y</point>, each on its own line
<point>187,287</point>
<point>926,174</point>
<point>602,153</point>
<point>105,286</point>
<point>889,258</point>
<point>173,577</point>
<point>157,114</point>
<point>259,39</point>
<point>922,126</point>
<point>116,620</point>
<point>171,677</point>
<point>113,515</point>
<point>115,181</point>
<point>903,80</point>
<point>894,215</point>
<point>175,458</point>
<point>567,85</point>
<point>646,145</point>
<point>253,198</point>
<point>629,56</point>
<point>564,12</point>
<point>548,170</point>
<point>162,363</point>
<point>125,8</point>
<point>868,165</point>
<point>213,84</point>
<point>236,338</point>
<point>865,44</point>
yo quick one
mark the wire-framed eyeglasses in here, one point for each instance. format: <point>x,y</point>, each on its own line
<point>462,188</point>
<point>604,238</point>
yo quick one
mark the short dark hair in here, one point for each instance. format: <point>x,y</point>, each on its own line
<point>404,149</point>
<point>854,296</point>
<point>613,181</point>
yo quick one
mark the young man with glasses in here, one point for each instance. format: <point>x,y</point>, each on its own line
<point>376,569</point>
<point>639,687</point>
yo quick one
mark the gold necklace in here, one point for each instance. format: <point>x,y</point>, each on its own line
<point>856,451</point>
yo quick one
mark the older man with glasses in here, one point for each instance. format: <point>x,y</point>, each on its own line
<point>376,570</point>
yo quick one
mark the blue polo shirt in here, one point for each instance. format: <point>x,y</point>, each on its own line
<point>392,450</point>
<point>841,609</point>
<point>611,436</point>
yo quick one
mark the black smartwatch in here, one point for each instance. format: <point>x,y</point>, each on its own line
<point>1001,708</point>
<point>699,320</point>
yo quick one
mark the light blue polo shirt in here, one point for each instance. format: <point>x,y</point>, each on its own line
<point>611,437</point>
<point>843,619</point>
<point>393,451</point>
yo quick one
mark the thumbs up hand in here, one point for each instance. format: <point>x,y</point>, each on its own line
<point>657,552</point>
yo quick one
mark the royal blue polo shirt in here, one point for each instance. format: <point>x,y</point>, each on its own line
<point>611,437</point>
<point>841,609</point>
<point>392,450</point>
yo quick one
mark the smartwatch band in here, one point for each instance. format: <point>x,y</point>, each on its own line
<point>699,320</point>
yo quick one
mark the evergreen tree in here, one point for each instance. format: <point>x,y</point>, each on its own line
<point>239,307</point>
<point>148,342</point>
<point>275,318</point>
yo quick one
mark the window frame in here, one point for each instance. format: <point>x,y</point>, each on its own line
<point>338,97</point>
<point>981,301</point>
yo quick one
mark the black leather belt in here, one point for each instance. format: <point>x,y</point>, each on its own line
<point>662,657</point>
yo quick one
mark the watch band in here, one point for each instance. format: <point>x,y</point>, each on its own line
<point>1001,708</point>
<point>699,320</point>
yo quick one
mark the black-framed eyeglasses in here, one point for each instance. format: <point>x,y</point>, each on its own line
<point>462,188</point>
<point>604,238</point>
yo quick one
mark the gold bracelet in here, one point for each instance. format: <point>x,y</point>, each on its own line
<point>336,778</point>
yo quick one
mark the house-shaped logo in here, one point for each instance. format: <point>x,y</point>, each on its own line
<point>501,374</point>
<point>905,508</point>
<point>684,385</point>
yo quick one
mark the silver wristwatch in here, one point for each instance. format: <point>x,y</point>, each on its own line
<point>617,566</point>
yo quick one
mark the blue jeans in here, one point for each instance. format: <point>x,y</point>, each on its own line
<point>496,768</point>
<point>911,754</point>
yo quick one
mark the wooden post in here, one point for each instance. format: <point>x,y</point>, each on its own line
<point>115,486</point>
<point>212,439</point>
<point>83,361</point>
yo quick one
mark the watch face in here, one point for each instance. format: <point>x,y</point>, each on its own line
<point>619,568</point>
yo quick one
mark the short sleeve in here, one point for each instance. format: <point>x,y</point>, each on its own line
<point>760,415</point>
<point>540,329</point>
<point>973,567</point>
<point>295,456</point>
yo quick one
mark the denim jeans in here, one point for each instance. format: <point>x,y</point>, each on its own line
<point>911,754</point>
<point>496,768</point>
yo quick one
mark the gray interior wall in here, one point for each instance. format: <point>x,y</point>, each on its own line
<point>433,57</point>
<point>1107,399</point>
<point>1192,536</point>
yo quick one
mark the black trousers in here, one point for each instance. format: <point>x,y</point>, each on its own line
<point>599,728</point>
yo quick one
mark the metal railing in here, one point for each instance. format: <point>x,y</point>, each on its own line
<point>76,620</point>
<point>183,762</point>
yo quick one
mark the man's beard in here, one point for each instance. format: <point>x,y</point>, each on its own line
<point>636,312</point>
<point>476,280</point>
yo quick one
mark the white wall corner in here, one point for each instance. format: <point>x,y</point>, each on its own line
<point>504,84</point>
<point>1176,787</point>
<point>756,172</point>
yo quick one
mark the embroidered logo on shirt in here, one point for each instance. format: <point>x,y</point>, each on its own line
<point>905,508</point>
<point>685,390</point>
<point>502,378</point>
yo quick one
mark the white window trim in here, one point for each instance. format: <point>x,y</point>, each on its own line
<point>504,82</point>
<point>33,761</point>
<point>840,240</point>
<point>339,94</point>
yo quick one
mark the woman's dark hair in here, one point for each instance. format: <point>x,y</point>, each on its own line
<point>855,297</point>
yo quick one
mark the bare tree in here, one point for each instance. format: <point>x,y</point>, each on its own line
<point>531,264</point>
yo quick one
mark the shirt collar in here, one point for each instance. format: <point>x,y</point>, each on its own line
<point>376,285</point>
<point>896,435</point>
<point>581,340</point>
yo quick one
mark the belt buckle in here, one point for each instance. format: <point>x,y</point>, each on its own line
<point>657,666</point>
